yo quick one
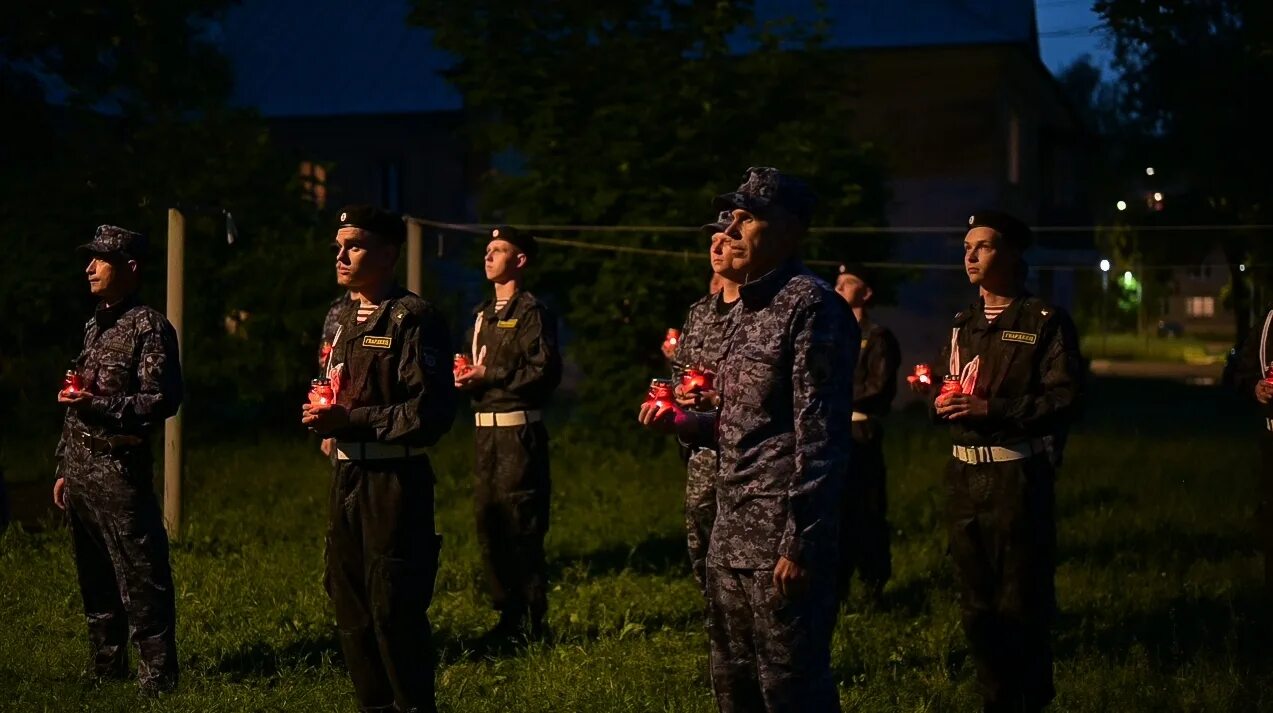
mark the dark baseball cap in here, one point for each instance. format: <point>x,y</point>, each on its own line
<point>723,219</point>
<point>114,240</point>
<point>1013,231</point>
<point>764,188</point>
<point>519,239</point>
<point>386,224</point>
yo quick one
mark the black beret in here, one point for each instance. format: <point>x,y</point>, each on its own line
<point>1012,230</point>
<point>858,270</point>
<point>517,238</point>
<point>386,224</point>
<point>114,240</point>
<point>765,187</point>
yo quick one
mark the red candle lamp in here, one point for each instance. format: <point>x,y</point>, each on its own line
<point>672,339</point>
<point>923,374</point>
<point>321,392</point>
<point>660,393</point>
<point>695,379</point>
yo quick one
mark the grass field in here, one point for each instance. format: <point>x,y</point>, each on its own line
<point>1183,350</point>
<point>1158,583</point>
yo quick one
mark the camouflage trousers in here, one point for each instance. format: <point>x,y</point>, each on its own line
<point>1002,529</point>
<point>512,490</point>
<point>769,653</point>
<point>382,560</point>
<point>700,510</point>
<point>121,560</point>
<point>864,528</point>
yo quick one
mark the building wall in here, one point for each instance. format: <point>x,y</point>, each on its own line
<point>967,128</point>
<point>413,163</point>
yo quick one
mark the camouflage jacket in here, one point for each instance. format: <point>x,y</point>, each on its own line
<point>523,364</point>
<point>786,384</point>
<point>131,366</point>
<point>396,379</point>
<point>1030,372</point>
<point>708,328</point>
<point>875,378</point>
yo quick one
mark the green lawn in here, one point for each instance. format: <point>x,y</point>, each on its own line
<point>1158,584</point>
<point>1186,350</point>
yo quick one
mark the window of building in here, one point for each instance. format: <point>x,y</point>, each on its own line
<point>314,182</point>
<point>1200,306</point>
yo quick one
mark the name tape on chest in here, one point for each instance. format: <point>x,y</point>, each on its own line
<point>1019,337</point>
<point>506,323</point>
<point>377,342</point>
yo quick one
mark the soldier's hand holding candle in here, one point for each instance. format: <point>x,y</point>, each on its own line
<point>1263,391</point>
<point>660,413</point>
<point>957,406</point>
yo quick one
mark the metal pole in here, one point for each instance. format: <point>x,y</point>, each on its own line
<point>172,427</point>
<point>415,257</point>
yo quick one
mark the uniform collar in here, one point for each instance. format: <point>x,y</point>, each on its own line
<point>489,304</point>
<point>105,315</point>
<point>759,293</point>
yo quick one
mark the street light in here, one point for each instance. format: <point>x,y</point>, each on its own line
<point>1121,205</point>
<point>1157,196</point>
<point>1105,302</point>
<point>1149,171</point>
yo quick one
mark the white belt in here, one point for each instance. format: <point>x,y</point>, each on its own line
<point>509,418</point>
<point>859,416</point>
<point>976,455</point>
<point>373,450</point>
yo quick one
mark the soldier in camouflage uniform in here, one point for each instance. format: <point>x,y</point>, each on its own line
<point>786,399</point>
<point>516,366</point>
<point>131,377</point>
<point>393,399</point>
<point>1020,373</point>
<point>708,328</point>
<point>864,528</point>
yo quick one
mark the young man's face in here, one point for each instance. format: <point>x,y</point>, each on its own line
<point>987,261</point>
<point>853,290</point>
<point>504,261</point>
<point>363,259</point>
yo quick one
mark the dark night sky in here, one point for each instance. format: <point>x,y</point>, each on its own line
<point>1068,29</point>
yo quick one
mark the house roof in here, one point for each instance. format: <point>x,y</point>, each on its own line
<point>341,57</point>
<point>867,24</point>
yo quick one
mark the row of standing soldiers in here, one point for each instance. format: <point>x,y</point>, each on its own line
<point>781,507</point>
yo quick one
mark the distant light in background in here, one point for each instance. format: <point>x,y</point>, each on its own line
<point>1149,171</point>
<point>1157,196</point>
<point>1127,276</point>
<point>1104,265</point>
<point>1242,268</point>
<point>1122,205</point>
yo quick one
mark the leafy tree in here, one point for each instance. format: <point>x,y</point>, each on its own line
<point>120,111</point>
<point>638,112</point>
<point>1191,73</point>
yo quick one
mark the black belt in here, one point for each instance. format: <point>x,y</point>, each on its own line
<point>109,444</point>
